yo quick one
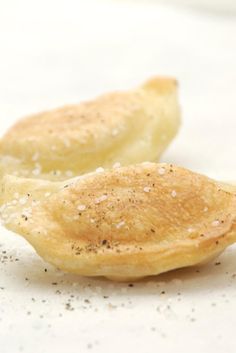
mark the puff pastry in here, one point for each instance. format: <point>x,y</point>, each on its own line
<point>123,223</point>
<point>126,127</point>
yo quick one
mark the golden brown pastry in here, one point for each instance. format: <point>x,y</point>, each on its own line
<point>125,127</point>
<point>123,223</point>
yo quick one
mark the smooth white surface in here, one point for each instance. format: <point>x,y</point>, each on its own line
<point>226,6</point>
<point>55,52</point>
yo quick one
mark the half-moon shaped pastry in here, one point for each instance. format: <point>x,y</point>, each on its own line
<point>126,127</point>
<point>123,223</point>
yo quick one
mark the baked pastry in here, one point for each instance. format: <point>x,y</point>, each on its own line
<point>125,127</point>
<point>123,223</point>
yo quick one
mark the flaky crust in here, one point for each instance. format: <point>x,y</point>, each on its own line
<point>123,223</point>
<point>126,127</point>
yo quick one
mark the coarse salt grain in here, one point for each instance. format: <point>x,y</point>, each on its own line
<point>161,171</point>
<point>100,199</point>
<point>92,220</point>
<point>16,195</point>
<point>205,209</point>
<point>22,200</point>
<point>173,193</point>
<point>116,165</point>
<point>190,230</point>
<point>27,209</point>
<point>99,170</point>
<point>81,207</point>
<point>215,223</point>
<point>146,189</point>
<point>47,194</point>
<point>121,224</point>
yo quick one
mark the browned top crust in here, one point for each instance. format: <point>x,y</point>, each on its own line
<point>125,222</point>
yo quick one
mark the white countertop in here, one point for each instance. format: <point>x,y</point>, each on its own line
<point>56,52</point>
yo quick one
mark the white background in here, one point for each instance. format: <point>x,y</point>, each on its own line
<point>56,52</point>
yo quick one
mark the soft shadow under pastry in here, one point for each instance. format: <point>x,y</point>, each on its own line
<point>125,127</point>
<point>123,223</point>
